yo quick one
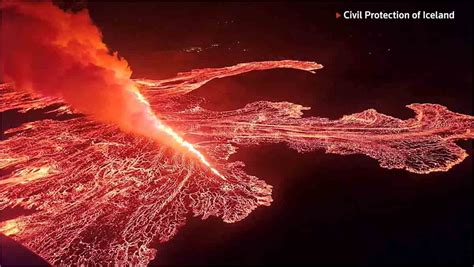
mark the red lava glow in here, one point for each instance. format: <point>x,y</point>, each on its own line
<point>105,187</point>
<point>104,195</point>
<point>46,50</point>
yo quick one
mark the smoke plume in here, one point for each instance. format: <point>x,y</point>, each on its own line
<point>52,52</point>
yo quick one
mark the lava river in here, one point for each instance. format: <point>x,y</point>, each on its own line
<point>102,196</point>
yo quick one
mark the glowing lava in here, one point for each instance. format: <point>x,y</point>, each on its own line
<point>161,127</point>
<point>60,54</point>
<point>103,196</point>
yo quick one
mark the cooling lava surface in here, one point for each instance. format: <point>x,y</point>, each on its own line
<point>101,195</point>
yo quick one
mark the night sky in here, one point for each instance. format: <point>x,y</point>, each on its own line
<point>327,208</point>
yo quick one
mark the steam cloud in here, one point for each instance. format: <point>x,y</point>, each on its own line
<point>52,52</point>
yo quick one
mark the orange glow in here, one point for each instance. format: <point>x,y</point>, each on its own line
<point>79,69</point>
<point>105,188</point>
<point>9,228</point>
<point>160,126</point>
<point>28,175</point>
<point>86,178</point>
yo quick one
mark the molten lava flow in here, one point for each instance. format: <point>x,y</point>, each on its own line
<point>61,55</point>
<point>102,195</point>
<point>105,185</point>
<point>9,228</point>
<point>160,126</point>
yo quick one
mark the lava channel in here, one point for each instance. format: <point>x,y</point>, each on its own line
<point>102,195</point>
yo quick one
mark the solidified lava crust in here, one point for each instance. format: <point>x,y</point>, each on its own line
<point>103,195</point>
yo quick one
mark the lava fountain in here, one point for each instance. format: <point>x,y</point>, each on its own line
<point>103,191</point>
<point>61,54</point>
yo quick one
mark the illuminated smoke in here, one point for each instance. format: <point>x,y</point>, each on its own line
<point>61,54</point>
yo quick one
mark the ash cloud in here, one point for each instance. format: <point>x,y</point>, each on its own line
<point>52,52</point>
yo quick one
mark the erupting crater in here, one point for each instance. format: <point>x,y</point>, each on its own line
<point>140,156</point>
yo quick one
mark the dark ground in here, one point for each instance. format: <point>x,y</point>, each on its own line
<point>327,208</point>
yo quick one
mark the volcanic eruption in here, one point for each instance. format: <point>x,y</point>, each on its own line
<point>60,54</point>
<point>104,186</point>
